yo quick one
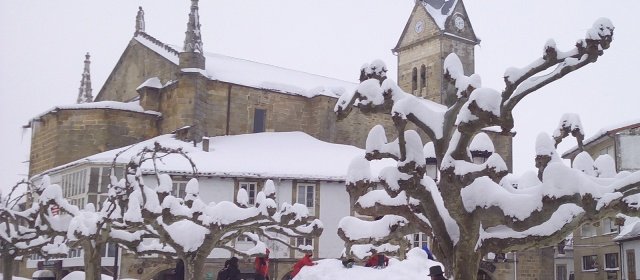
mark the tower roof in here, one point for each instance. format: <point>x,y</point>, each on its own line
<point>439,10</point>
<point>193,38</point>
<point>84,92</point>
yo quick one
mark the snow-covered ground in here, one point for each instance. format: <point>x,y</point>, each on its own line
<point>415,267</point>
<point>15,277</point>
<point>79,275</point>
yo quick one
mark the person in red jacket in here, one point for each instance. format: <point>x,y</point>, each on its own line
<point>262,267</point>
<point>377,261</point>
<point>306,260</point>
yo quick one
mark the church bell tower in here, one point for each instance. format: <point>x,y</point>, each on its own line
<point>435,29</point>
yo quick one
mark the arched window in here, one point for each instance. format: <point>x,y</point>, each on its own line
<point>423,76</point>
<point>414,80</point>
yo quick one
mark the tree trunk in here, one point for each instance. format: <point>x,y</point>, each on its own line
<point>7,267</point>
<point>93,261</point>
<point>193,268</point>
<point>466,263</point>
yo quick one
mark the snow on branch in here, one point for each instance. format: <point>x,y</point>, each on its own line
<point>471,205</point>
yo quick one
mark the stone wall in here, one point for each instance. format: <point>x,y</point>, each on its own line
<point>535,264</point>
<point>184,103</point>
<point>503,145</point>
<point>66,135</point>
<point>229,109</point>
<point>137,64</point>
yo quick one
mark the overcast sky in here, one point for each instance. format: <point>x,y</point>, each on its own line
<point>43,44</point>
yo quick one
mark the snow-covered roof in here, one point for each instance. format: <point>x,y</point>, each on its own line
<point>114,105</point>
<point>612,129</point>
<point>439,10</point>
<point>257,75</point>
<point>285,155</point>
<point>630,229</point>
<point>153,82</point>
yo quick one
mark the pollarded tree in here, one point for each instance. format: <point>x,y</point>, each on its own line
<point>151,220</point>
<point>30,225</point>
<point>471,210</point>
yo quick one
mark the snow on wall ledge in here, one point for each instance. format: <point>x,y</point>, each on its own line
<point>114,105</point>
<point>285,155</point>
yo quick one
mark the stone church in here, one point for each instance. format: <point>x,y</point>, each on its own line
<point>157,88</point>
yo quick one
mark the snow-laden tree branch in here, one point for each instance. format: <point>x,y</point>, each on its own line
<point>28,224</point>
<point>150,220</point>
<point>472,209</point>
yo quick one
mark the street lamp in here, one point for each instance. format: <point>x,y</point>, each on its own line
<point>431,161</point>
<point>481,148</point>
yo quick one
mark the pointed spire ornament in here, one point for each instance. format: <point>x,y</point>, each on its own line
<point>140,21</point>
<point>84,93</point>
<point>193,39</point>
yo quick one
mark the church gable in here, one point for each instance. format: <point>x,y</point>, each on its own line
<point>137,64</point>
<point>420,26</point>
<point>459,24</point>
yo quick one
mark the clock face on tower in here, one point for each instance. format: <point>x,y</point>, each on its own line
<point>459,22</point>
<point>419,26</point>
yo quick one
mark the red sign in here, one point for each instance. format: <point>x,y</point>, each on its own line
<point>55,210</point>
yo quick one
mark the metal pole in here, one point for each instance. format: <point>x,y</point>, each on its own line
<point>115,261</point>
<point>515,265</point>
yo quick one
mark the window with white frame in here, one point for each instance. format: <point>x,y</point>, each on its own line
<point>609,226</point>
<point>561,272</point>
<point>590,263</point>
<point>75,253</point>
<point>252,190</point>
<point>302,241</point>
<point>100,178</point>
<point>611,261</point>
<point>608,151</point>
<point>178,188</point>
<point>419,239</point>
<point>588,230</point>
<point>306,195</point>
<point>110,250</point>
<point>74,183</point>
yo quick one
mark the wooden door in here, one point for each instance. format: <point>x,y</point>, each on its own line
<point>631,264</point>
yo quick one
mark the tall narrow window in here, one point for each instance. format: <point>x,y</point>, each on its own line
<point>589,263</point>
<point>414,80</point>
<point>419,240</point>
<point>110,250</point>
<point>588,230</point>
<point>178,188</point>
<point>252,190</point>
<point>561,272</point>
<point>306,195</point>
<point>611,261</point>
<point>609,226</point>
<point>259,120</point>
<point>423,77</point>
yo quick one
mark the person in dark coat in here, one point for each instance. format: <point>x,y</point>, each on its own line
<point>436,273</point>
<point>234,271</point>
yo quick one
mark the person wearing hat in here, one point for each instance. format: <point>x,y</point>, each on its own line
<point>262,266</point>
<point>436,273</point>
